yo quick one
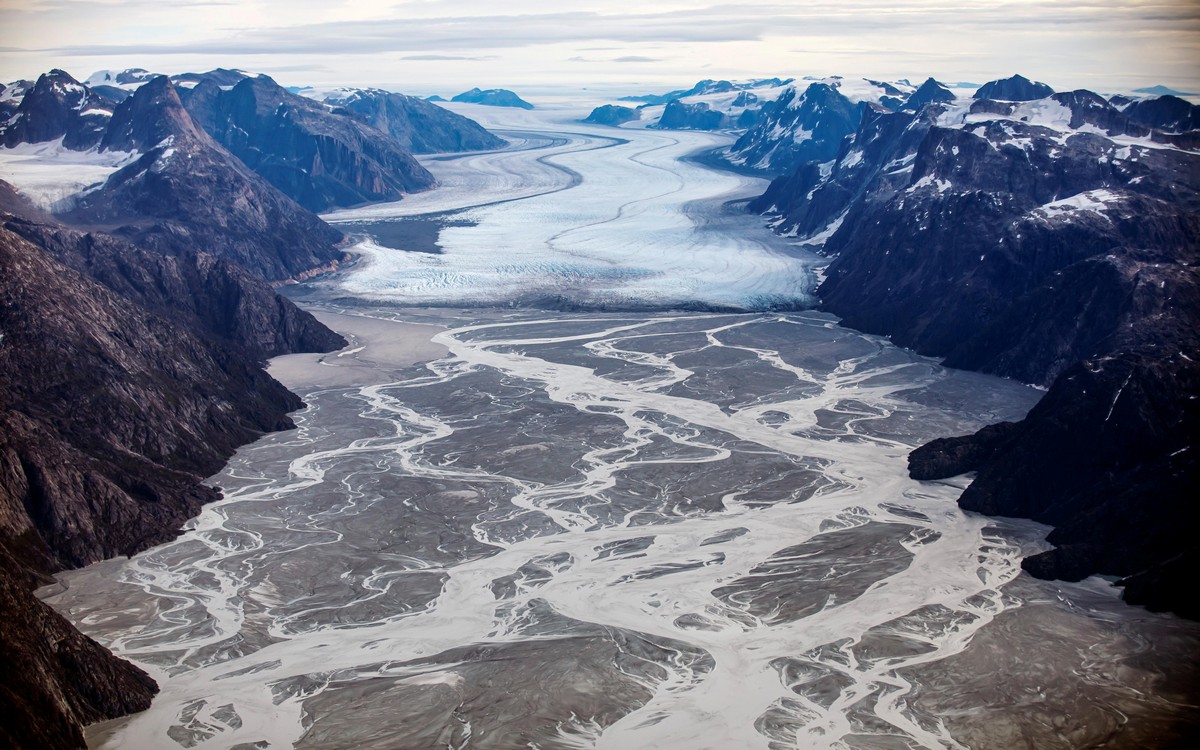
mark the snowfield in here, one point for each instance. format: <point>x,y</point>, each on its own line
<point>582,216</point>
<point>52,177</point>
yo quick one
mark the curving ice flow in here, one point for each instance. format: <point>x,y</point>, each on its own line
<point>583,216</point>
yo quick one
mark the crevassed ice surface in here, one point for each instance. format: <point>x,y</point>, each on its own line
<point>616,530</point>
<point>643,228</point>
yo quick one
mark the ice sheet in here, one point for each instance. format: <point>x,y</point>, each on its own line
<point>50,176</point>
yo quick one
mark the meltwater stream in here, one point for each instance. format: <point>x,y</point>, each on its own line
<point>612,530</point>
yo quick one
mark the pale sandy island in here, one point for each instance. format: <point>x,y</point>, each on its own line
<point>377,348</point>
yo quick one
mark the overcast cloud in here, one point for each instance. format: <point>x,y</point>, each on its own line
<point>438,45</point>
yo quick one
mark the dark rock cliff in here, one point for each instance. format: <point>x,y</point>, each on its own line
<point>1015,89</point>
<point>315,156</point>
<point>126,377</point>
<point>113,409</point>
<point>187,191</point>
<point>612,114</point>
<point>1037,240</point>
<point>416,124</point>
<point>799,127</point>
<point>58,106</point>
<point>210,294</point>
<point>492,98</point>
<point>56,679</point>
<point>699,116</point>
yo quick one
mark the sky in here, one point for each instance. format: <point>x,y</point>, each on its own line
<point>637,46</point>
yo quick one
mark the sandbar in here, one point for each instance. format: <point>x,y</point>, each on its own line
<point>378,348</point>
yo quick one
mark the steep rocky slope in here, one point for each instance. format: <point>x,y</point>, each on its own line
<point>417,125</point>
<point>55,679</point>
<point>799,127</point>
<point>58,106</point>
<point>126,377</point>
<point>317,158</point>
<point>187,191</point>
<point>613,115</point>
<point>492,98</point>
<point>210,294</point>
<point>1054,241</point>
<point>807,121</point>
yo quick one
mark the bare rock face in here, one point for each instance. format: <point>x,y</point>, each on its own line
<point>418,125</point>
<point>1015,89</point>
<point>116,399</point>
<point>58,106</point>
<point>317,157</point>
<point>799,127</point>
<point>698,116</point>
<point>55,678</point>
<point>1037,240</point>
<point>1167,113</point>
<point>612,115</point>
<point>188,192</point>
<point>212,295</point>
<point>136,408</point>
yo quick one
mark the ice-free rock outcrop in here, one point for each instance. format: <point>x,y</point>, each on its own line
<point>613,115</point>
<point>416,124</point>
<point>316,157</point>
<point>57,106</point>
<point>126,376</point>
<point>492,98</point>
<point>1018,88</point>
<point>186,191</point>
<point>698,116</point>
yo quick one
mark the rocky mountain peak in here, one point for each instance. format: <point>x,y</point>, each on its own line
<point>927,93</point>
<point>493,98</point>
<point>1017,88</point>
<point>1167,113</point>
<point>149,117</point>
<point>58,106</point>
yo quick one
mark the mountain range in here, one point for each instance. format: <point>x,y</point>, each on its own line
<point>1052,238</point>
<point>1048,237</point>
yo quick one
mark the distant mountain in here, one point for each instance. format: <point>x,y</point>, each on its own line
<point>698,116</point>
<point>612,114</point>
<point>1054,241</point>
<point>798,127</point>
<point>1161,90</point>
<point>435,98</point>
<point>707,86</point>
<point>117,84</point>
<point>416,124</point>
<point>808,121</point>
<point>493,98</point>
<point>224,78</point>
<point>1166,113</point>
<point>316,157</point>
<point>1018,88</point>
<point>927,93</point>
